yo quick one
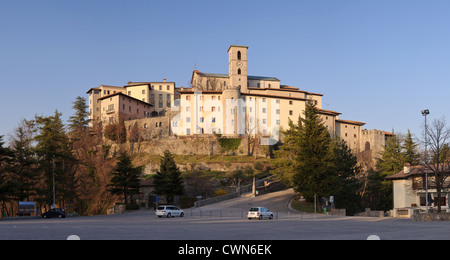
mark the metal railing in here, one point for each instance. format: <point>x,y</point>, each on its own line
<point>243,190</point>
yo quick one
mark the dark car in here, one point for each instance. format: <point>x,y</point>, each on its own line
<point>54,213</point>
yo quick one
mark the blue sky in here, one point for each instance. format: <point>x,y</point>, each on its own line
<point>380,62</point>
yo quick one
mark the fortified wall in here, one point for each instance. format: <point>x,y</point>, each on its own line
<point>372,145</point>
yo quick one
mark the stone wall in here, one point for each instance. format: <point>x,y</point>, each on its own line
<point>430,217</point>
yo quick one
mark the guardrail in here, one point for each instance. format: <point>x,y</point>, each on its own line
<point>243,190</point>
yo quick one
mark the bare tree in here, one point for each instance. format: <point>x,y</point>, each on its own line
<point>438,136</point>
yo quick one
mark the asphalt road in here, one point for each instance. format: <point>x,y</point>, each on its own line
<point>224,221</point>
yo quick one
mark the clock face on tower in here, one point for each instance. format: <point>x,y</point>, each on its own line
<point>239,64</point>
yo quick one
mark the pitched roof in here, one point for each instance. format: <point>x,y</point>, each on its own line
<point>220,75</point>
<point>350,122</point>
<point>124,95</point>
<point>413,170</point>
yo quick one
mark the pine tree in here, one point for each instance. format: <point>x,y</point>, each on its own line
<point>126,178</point>
<point>379,189</point>
<point>392,158</point>
<point>410,150</point>
<point>284,162</point>
<point>6,186</point>
<point>55,157</point>
<point>23,163</point>
<point>315,158</point>
<point>345,169</point>
<point>168,180</point>
<point>80,120</point>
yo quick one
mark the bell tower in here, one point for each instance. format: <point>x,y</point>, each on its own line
<point>237,66</point>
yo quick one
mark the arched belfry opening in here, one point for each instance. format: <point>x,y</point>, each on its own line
<point>239,56</point>
<point>239,72</point>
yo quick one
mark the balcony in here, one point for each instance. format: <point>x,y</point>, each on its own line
<point>420,185</point>
<point>110,111</point>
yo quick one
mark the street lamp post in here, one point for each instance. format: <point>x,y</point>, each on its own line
<point>54,188</point>
<point>425,113</point>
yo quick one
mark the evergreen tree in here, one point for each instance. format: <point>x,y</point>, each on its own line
<point>23,163</point>
<point>392,158</point>
<point>379,190</point>
<point>285,158</point>
<point>55,157</point>
<point>410,150</point>
<point>168,180</point>
<point>315,158</point>
<point>346,186</point>
<point>126,178</point>
<point>80,120</point>
<point>6,186</point>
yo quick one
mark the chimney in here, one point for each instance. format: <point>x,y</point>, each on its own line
<point>165,80</point>
<point>406,168</point>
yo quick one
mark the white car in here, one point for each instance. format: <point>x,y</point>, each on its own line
<point>169,211</point>
<point>259,213</point>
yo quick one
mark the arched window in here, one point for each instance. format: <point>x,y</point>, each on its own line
<point>239,56</point>
<point>367,146</point>
<point>239,71</point>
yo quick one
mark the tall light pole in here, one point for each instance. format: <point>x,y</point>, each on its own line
<point>54,188</point>
<point>425,113</point>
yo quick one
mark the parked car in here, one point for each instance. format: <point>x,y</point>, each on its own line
<point>169,211</point>
<point>54,213</point>
<point>259,213</point>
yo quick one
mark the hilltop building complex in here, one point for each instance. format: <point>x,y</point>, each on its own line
<point>232,105</point>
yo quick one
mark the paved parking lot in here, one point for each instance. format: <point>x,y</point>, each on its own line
<point>144,225</point>
<point>224,221</point>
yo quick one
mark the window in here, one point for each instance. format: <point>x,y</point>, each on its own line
<point>143,92</point>
<point>213,120</point>
<point>367,146</point>
<point>168,87</point>
<point>188,119</point>
<point>239,72</point>
<point>291,102</point>
<point>188,131</point>
<point>160,87</point>
<point>202,119</point>
<point>239,55</point>
<point>264,110</point>
<point>291,113</point>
